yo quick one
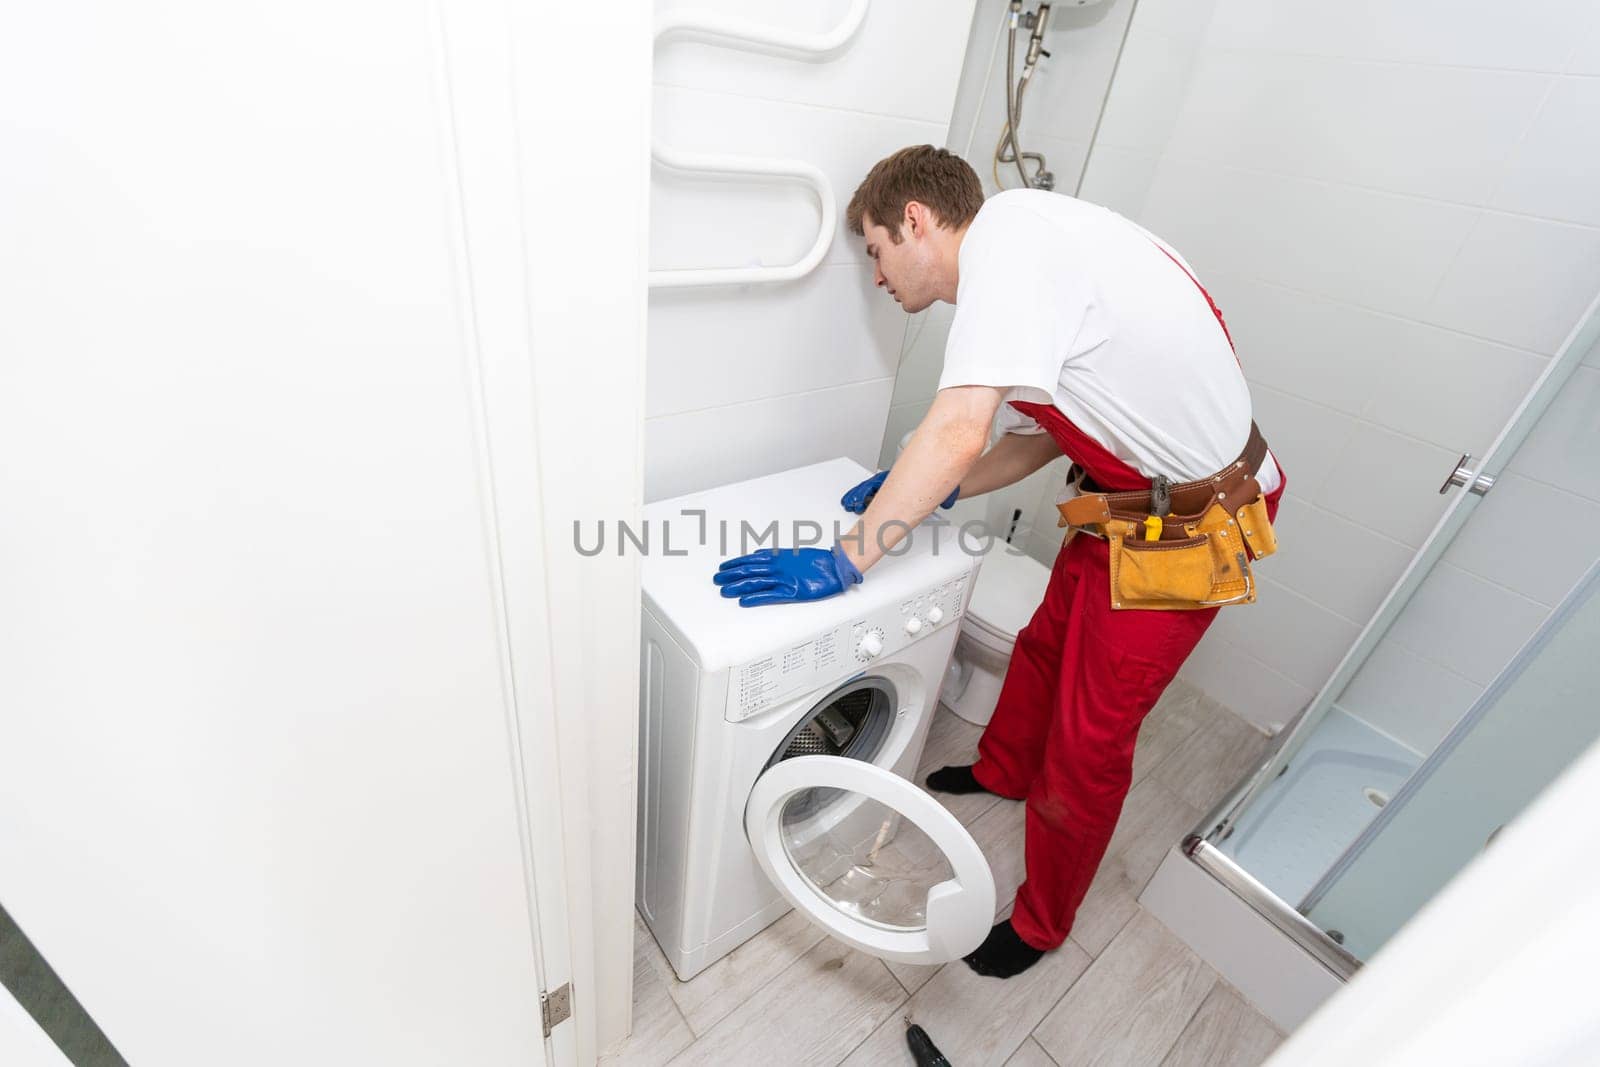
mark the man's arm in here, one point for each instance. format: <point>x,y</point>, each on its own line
<point>1013,458</point>
<point>944,450</point>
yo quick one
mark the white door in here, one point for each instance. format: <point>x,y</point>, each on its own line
<point>871,858</point>
<point>258,799</point>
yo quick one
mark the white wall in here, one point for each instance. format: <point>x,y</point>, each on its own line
<point>1396,206</point>
<point>745,381</point>
<point>22,1042</point>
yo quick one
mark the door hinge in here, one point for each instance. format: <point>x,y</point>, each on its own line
<point>555,1008</point>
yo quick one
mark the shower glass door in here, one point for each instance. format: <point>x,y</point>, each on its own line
<point>1518,539</point>
<point>1532,723</point>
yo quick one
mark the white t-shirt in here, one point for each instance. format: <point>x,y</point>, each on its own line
<point>1065,302</point>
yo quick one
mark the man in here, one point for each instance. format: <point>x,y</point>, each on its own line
<point>1086,336</point>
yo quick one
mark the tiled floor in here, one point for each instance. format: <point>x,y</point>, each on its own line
<point>1122,990</point>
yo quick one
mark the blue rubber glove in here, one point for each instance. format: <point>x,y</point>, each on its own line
<point>778,576</point>
<point>857,499</point>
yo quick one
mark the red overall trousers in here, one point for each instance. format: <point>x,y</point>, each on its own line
<point>1081,680</point>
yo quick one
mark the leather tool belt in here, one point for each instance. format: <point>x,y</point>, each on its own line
<point>1185,546</point>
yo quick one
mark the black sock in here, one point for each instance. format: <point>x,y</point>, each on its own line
<point>1003,953</point>
<point>954,780</point>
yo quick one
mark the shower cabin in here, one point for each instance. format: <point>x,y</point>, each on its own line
<point>1316,859</point>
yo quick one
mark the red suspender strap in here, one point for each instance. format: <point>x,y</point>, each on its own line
<point>1107,470</point>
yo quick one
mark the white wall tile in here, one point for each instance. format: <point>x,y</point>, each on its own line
<point>1371,248</point>
<point>1424,131</point>
<point>1046,485</point>
<point>1564,448</point>
<point>696,222</point>
<point>1246,685</point>
<point>1301,640</point>
<point>1306,438</point>
<point>1519,280</point>
<point>1555,172</point>
<point>1585,58</point>
<point>1411,699</point>
<point>903,418</point>
<point>1044,545</point>
<point>1119,179</point>
<point>801,371</point>
<point>1535,35</point>
<point>1151,89</point>
<point>1333,562</point>
<point>712,347</point>
<point>922,353</point>
<point>1177,18</point>
<point>1529,537</point>
<point>1028,496</point>
<point>1300,343</point>
<point>984,42</point>
<point>1466,624</point>
<point>905,60</point>
<point>1389,483</point>
<point>1447,388</point>
<point>701,449</point>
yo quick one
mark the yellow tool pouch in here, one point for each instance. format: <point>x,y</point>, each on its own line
<point>1205,570</point>
<point>1182,547</point>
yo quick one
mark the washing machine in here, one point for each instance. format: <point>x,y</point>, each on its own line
<point>778,743</point>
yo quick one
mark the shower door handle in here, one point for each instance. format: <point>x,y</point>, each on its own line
<point>1463,473</point>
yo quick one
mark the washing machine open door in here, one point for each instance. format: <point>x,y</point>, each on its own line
<point>871,858</point>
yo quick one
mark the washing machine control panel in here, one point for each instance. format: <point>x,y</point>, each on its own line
<point>823,657</point>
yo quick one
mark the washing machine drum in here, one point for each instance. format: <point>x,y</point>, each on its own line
<point>852,722</point>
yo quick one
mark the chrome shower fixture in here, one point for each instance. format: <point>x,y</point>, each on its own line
<point>1009,147</point>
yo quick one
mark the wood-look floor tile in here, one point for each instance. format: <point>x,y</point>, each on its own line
<point>1226,1032</point>
<point>725,985</point>
<point>1153,820</point>
<point>814,1013</point>
<point>1174,719</point>
<point>1132,1003</point>
<point>952,741</point>
<point>659,1031</point>
<point>1031,1055</point>
<point>1213,759</point>
<point>974,1020</point>
<point>999,833</point>
<point>1105,910</point>
<point>913,976</point>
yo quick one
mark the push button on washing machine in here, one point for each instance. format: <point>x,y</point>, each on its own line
<point>913,625</point>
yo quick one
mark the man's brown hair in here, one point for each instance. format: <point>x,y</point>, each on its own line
<point>932,176</point>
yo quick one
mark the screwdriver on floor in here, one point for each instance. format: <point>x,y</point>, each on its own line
<point>923,1050</point>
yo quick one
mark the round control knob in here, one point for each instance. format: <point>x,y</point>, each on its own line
<point>935,616</point>
<point>871,645</point>
<point>913,625</point>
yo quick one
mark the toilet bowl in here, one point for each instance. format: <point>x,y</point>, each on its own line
<point>1008,589</point>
